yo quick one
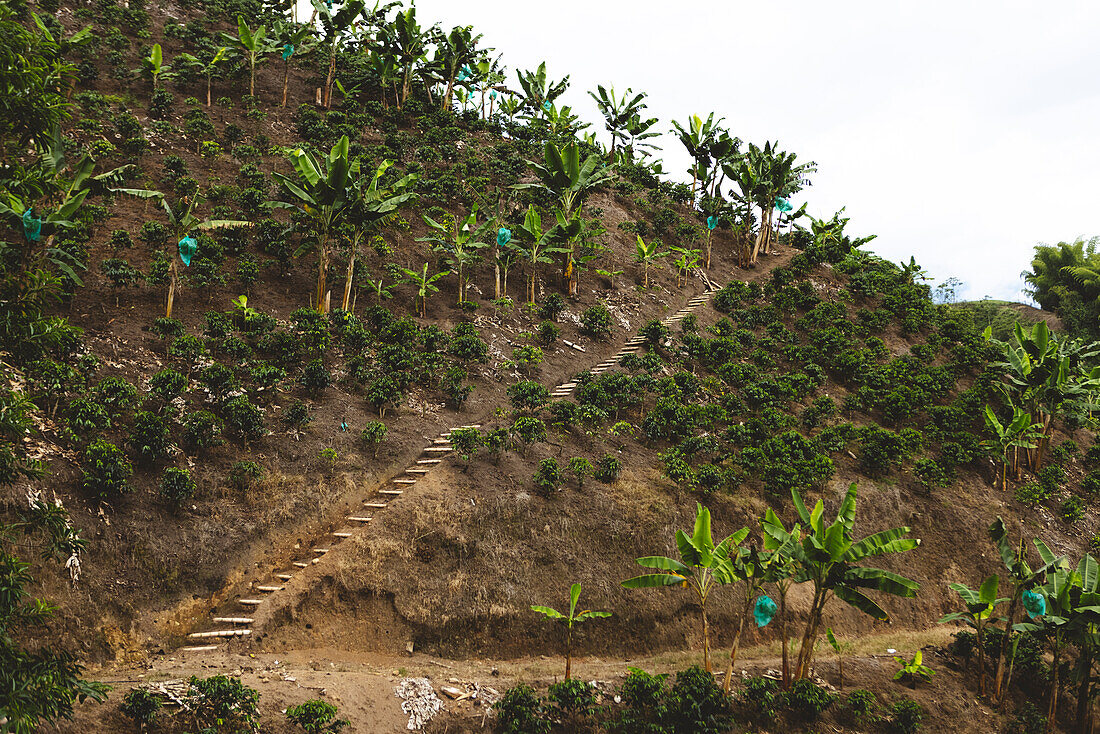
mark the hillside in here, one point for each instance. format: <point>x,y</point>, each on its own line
<point>548,360</point>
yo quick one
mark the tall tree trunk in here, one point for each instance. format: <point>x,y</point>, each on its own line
<point>496,274</point>
<point>322,274</point>
<point>461,288</point>
<point>208,85</point>
<point>173,274</point>
<point>252,79</point>
<point>737,639</point>
<point>999,677</point>
<point>786,672</point>
<point>1084,711</point>
<point>331,74</point>
<point>1052,709</point>
<point>805,650</point>
<point>981,660</point>
<point>351,273</point>
<point>706,639</point>
<point>286,80</point>
<point>708,248</point>
<point>568,652</point>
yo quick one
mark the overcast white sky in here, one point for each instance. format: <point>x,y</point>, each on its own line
<point>959,132</point>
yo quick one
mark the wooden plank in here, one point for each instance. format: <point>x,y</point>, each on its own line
<point>232,620</point>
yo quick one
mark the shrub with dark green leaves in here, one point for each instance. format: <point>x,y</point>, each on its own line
<point>859,707</point>
<point>314,376</point>
<point>643,696</point>
<point>932,473</point>
<point>244,418</point>
<point>528,395</point>
<point>527,358</point>
<point>469,348</point>
<point>1028,720</point>
<point>548,332</point>
<point>86,416</point>
<point>453,386</point>
<point>382,393</point>
<point>654,332</point>
<point>202,430</point>
<point>580,468</point>
<point>186,348</point>
<point>906,716</point>
<point>244,474</point>
<point>266,376</point>
<point>596,322</point>
<point>697,705</point>
<point>466,442</point>
<point>758,699</point>
<point>149,436</point>
<point>1030,493</point>
<point>807,700</point>
<point>881,450</point>
<point>1072,510</point>
<point>607,469</point>
<point>521,711</point>
<point>141,707</point>
<point>297,415</point>
<point>528,430</point>
<point>316,717</point>
<point>115,394</point>
<point>552,307</point>
<point>548,477</point>
<point>176,485</point>
<point>154,234</point>
<point>373,434</point>
<point>167,385</point>
<point>107,471</point>
<point>574,698</point>
<point>223,704</point>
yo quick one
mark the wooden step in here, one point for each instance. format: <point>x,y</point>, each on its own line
<point>429,461</point>
<point>220,633</point>
<point>354,518</point>
<point>416,471</point>
<point>250,602</point>
<point>232,620</point>
<point>342,534</point>
<point>375,505</point>
<point>320,551</point>
<point>391,492</point>
<point>268,589</point>
<point>438,449</point>
<point>199,648</point>
<point>442,441</point>
<point>404,481</point>
<point>301,564</point>
<point>472,425</point>
<point>284,576</point>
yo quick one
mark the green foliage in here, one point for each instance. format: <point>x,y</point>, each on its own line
<point>580,468</point>
<point>202,430</point>
<point>141,706</point>
<point>1072,510</point>
<point>244,474</point>
<point>573,698</point>
<point>912,670</point>
<point>528,395</point>
<point>149,436</point>
<point>314,376</point>
<point>596,322</point>
<point>223,705</point>
<point>551,307</point>
<point>244,418</point>
<point>316,717</point>
<point>697,705</point>
<point>548,332</point>
<point>758,699</point>
<point>373,434</point>
<point>527,358</point>
<point>466,442</point>
<point>167,385</point>
<point>807,699</point>
<point>1028,720</point>
<point>906,716</point>
<point>860,707</point>
<point>106,470</point>
<point>607,469</point>
<point>644,707</point>
<point>528,430</point>
<point>548,477</point>
<point>1030,493</point>
<point>520,711</point>
<point>176,485</point>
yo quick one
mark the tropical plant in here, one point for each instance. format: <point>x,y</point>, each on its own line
<point>205,64</point>
<point>408,39</point>
<point>571,618</point>
<point>826,558</point>
<point>981,603</point>
<point>1019,433</point>
<point>182,221</point>
<point>458,243</point>
<point>686,259</point>
<point>539,92</point>
<point>296,40</point>
<point>914,669</point>
<point>709,146</point>
<point>570,180</point>
<point>373,206</point>
<point>457,51</point>
<point>535,245</point>
<point>839,648</point>
<point>252,46</point>
<point>316,717</point>
<point>153,66</point>
<point>323,191</point>
<point>647,255</point>
<point>700,567</point>
<point>425,285</point>
<point>623,119</point>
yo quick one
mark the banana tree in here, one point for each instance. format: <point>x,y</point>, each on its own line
<point>335,25</point>
<point>425,286</point>
<point>252,45</point>
<point>323,191</point>
<point>570,619</point>
<point>563,174</point>
<point>1019,433</point>
<point>457,50</point>
<point>1022,577</point>
<point>295,40</point>
<point>980,604</point>
<point>622,116</point>
<point>539,92</point>
<point>779,542</point>
<point>207,68</point>
<point>826,559</point>
<point>153,66</point>
<point>535,245</point>
<point>700,567</point>
<point>709,146</point>
<point>750,568</point>
<point>686,259</point>
<point>371,207</point>
<point>409,40</point>
<point>182,222</point>
<point>459,243</point>
<point>647,254</point>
